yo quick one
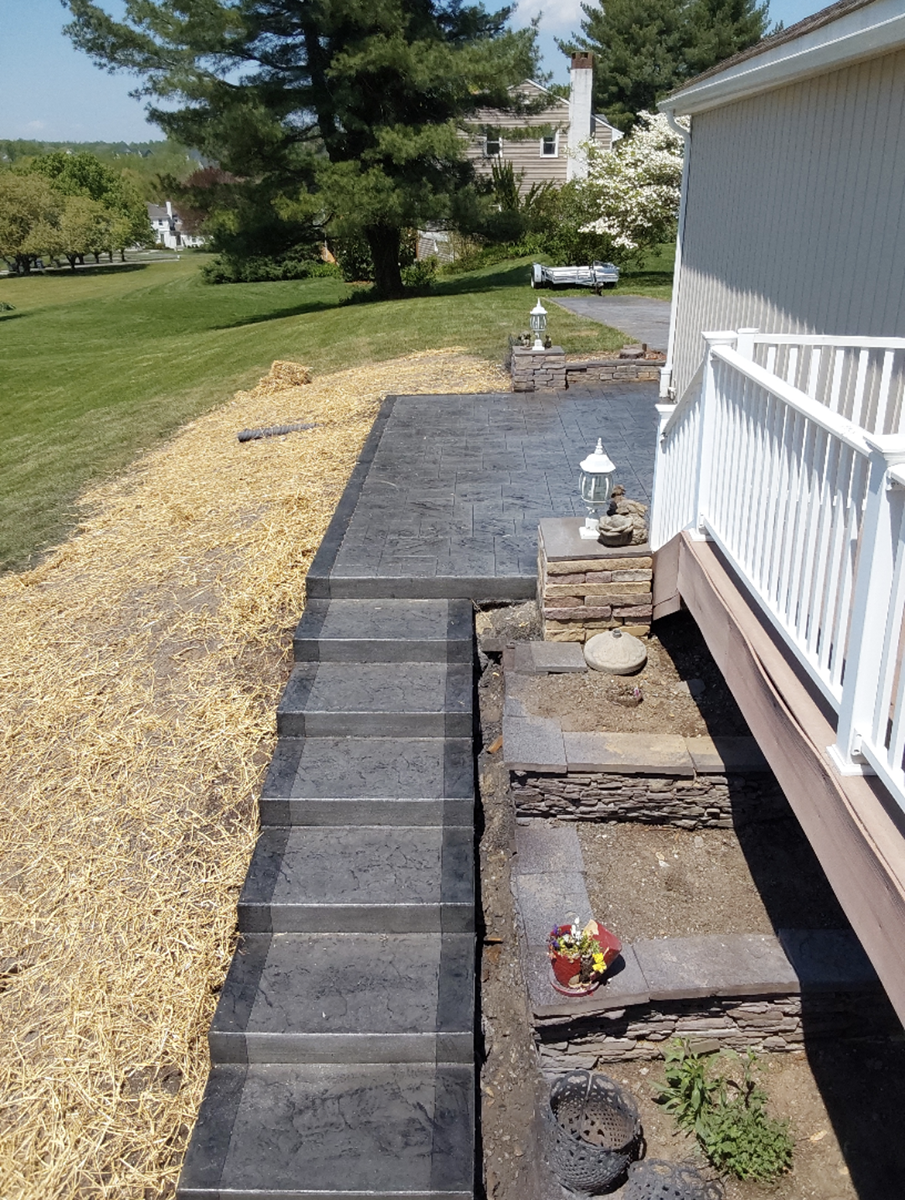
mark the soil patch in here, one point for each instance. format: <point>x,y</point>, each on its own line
<point>680,690</point>
<point>649,881</point>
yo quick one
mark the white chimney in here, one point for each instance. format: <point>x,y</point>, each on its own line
<point>169,210</point>
<point>581,86</point>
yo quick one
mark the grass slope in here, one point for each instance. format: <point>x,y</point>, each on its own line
<point>100,365</point>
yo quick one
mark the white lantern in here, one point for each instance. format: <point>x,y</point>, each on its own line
<point>595,485</point>
<point>538,319</point>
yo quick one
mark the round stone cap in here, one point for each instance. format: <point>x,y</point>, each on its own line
<point>615,652</point>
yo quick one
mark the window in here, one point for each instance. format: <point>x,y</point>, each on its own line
<point>493,147</point>
<point>549,146</point>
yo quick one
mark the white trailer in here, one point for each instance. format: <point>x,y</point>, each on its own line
<point>598,275</point>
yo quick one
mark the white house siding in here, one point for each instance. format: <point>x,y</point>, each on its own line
<point>796,212</point>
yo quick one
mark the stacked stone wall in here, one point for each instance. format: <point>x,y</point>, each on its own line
<point>538,370</point>
<point>764,1023</point>
<point>703,802</point>
<point>580,597</point>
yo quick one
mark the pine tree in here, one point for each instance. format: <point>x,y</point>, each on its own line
<point>644,49</point>
<point>348,108</point>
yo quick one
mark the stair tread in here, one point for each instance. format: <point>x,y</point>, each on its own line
<point>366,767</point>
<point>276,1130</point>
<point>341,995</point>
<point>378,699</point>
<point>314,875</point>
<point>385,631</point>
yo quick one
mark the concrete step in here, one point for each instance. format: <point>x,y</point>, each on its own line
<point>347,997</point>
<point>377,700</point>
<point>278,1132</point>
<point>370,781</point>
<point>385,631</point>
<point>368,879</point>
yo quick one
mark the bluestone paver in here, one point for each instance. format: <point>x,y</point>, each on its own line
<point>738,964</point>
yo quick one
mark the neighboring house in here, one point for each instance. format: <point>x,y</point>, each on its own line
<point>778,515</point>
<point>554,154</point>
<point>168,230</point>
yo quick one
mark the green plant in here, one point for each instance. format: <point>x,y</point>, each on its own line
<point>728,1116</point>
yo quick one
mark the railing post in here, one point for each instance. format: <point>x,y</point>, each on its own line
<point>657,504</point>
<point>707,430</point>
<point>745,344</point>
<point>875,567</point>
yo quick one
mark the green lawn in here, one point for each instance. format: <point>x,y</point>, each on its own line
<point>100,365</point>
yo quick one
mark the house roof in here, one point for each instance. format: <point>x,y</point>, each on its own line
<point>844,33</point>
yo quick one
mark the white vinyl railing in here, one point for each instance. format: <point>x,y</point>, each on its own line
<point>808,506</point>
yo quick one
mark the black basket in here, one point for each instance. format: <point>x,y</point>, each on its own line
<point>657,1180</point>
<point>593,1129</point>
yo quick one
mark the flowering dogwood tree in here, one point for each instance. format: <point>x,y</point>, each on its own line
<point>628,203</point>
<point>631,193</point>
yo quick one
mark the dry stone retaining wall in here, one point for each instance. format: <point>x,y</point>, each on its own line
<point>769,1023</point>
<point>705,802</point>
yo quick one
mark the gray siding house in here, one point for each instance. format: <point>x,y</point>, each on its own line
<point>794,197</point>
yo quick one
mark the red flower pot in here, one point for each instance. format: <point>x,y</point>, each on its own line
<point>565,969</point>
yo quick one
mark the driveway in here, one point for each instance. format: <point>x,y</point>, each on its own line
<point>644,319</point>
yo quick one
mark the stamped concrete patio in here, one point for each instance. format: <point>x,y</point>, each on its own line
<point>343,1046</point>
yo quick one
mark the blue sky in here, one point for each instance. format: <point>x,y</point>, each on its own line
<point>52,92</point>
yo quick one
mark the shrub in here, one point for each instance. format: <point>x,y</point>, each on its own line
<point>728,1117</point>
<point>225,269</point>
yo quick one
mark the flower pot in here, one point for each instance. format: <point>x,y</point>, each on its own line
<point>564,969</point>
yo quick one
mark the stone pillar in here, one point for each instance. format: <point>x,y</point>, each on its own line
<point>584,586</point>
<point>538,370</point>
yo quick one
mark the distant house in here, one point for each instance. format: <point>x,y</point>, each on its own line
<point>555,153</point>
<point>168,229</point>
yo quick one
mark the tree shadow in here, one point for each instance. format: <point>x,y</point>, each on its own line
<point>279,314</point>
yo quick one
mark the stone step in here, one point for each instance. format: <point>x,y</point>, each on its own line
<point>377,700</point>
<point>367,879</point>
<point>385,631</point>
<point>370,781</point>
<point>347,997</point>
<point>287,1132</point>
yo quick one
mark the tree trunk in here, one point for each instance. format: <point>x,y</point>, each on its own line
<point>383,242</point>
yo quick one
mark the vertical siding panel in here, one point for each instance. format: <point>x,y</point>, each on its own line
<point>796,201</point>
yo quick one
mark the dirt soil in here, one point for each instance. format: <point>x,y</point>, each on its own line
<point>657,881</point>
<point>680,690</point>
<point>843,1099</point>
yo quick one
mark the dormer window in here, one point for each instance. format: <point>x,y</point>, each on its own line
<point>493,147</point>
<point>549,146</point>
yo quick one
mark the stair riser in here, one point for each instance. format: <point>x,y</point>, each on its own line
<point>303,918</point>
<point>359,725</point>
<point>342,1048</point>
<point>343,813</point>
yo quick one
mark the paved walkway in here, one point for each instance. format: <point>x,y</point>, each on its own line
<point>450,489</point>
<point>343,1045</point>
<point>643,318</point>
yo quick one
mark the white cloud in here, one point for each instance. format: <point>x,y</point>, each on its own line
<point>36,126</point>
<point>558,17</point>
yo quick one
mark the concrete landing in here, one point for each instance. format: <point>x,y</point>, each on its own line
<point>449,490</point>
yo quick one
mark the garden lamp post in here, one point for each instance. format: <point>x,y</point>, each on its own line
<point>595,485</point>
<point>538,319</point>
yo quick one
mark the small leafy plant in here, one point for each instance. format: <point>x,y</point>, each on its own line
<point>728,1116</point>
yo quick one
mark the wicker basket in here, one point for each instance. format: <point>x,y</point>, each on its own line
<point>657,1180</point>
<point>593,1130</point>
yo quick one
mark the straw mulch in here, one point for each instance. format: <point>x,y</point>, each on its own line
<point>141,666</point>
